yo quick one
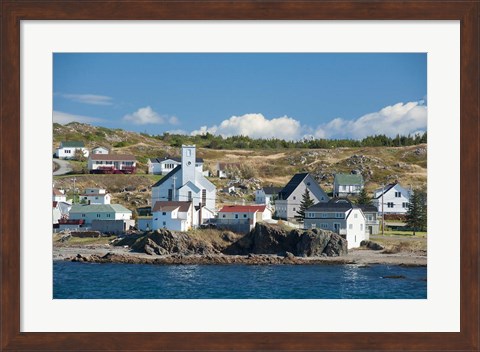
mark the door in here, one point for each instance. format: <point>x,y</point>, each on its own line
<point>370,230</point>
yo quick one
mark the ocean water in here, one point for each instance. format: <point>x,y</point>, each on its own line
<point>137,281</point>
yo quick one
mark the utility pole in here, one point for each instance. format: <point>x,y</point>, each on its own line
<point>74,189</point>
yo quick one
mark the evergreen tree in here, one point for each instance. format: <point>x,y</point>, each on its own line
<point>363,198</point>
<point>417,211</point>
<point>306,203</point>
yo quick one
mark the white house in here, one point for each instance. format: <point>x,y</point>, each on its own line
<point>162,166</point>
<point>347,184</point>
<point>67,149</point>
<point>340,216</point>
<point>95,196</point>
<point>392,199</point>
<point>267,195</point>
<point>92,212</point>
<point>112,164</point>
<point>99,150</point>
<point>187,183</point>
<point>173,215</point>
<point>290,197</point>
<point>58,195</point>
<point>60,211</point>
<point>242,218</point>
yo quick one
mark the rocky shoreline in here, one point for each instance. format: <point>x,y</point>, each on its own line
<point>123,256</point>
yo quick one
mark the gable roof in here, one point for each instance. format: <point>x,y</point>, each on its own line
<point>178,160</point>
<point>386,189</point>
<point>99,208</point>
<point>72,144</point>
<point>171,205</point>
<point>292,185</point>
<point>368,208</point>
<point>272,190</point>
<point>334,204</point>
<point>167,176</point>
<point>100,147</point>
<point>242,208</point>
<point>348,179</point>
<point>115,157</point>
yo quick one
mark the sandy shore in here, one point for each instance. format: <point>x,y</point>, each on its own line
<point>113,254</point>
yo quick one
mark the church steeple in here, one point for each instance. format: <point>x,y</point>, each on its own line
<point>188,163</point>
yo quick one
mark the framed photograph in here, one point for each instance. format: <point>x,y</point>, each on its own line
<point>327,101</point>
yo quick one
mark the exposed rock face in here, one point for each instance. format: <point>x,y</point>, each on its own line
<point>371,245</point>
<point>164,242</point>
<point>273,239</point>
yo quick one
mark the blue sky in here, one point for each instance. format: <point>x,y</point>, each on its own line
<point>261,95</point>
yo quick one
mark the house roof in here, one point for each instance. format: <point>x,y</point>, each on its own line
<point>368,208</point>
<point>99,208</point>
<point>348,179</point>
<point>167,176</point>
<point>178,160</point>
<point>385,189</point>
<point>171,205</point>
<point>272,190</point>
<point>115,157</point>
<point>242,209</point>
<point>334,204</point>
<point>292,185</point>
<point>72,144</point>
<point>100,147</point>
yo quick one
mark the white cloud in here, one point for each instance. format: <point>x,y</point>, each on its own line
<point>256,126</point>
<point>91,99</point>
<point>144,116</point>
<point>178,132</point>
<point>400,119</point>
<point>64,118</point>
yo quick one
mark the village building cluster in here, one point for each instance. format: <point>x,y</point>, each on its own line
<point>184,198</point>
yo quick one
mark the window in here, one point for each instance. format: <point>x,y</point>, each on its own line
<point>98,215</point>
<point>170,194</point>
<point>294,197</point>
<point>361,227</point>
<point>324,226</point>
<point>188,152</point>
<point>355,216</point>
<point>405,205</point>
<point>236,216</point>
<point>189,196</point>
<point>244,215</point>
<point>390,205</point>
<point>223,215</point>
<point>398,194</point>
<point>164,213</point>
<point>108,215</point>
<point>204,196</point>
<point>313,226</point>
<point>339,215</point>
<point>164,223</point>
<point>324,215</point>
<point>293,209</point>
<point>350,226</point>
<point>83,215</point>
<point>96,197</point>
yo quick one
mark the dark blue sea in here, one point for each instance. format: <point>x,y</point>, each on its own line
<point>135,281</point>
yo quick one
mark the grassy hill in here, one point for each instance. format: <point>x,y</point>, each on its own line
<point>275,167</point>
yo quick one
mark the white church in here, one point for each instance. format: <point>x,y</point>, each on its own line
<point>186,183</point>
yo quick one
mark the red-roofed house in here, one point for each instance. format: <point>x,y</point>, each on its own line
<point>242,218</point>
